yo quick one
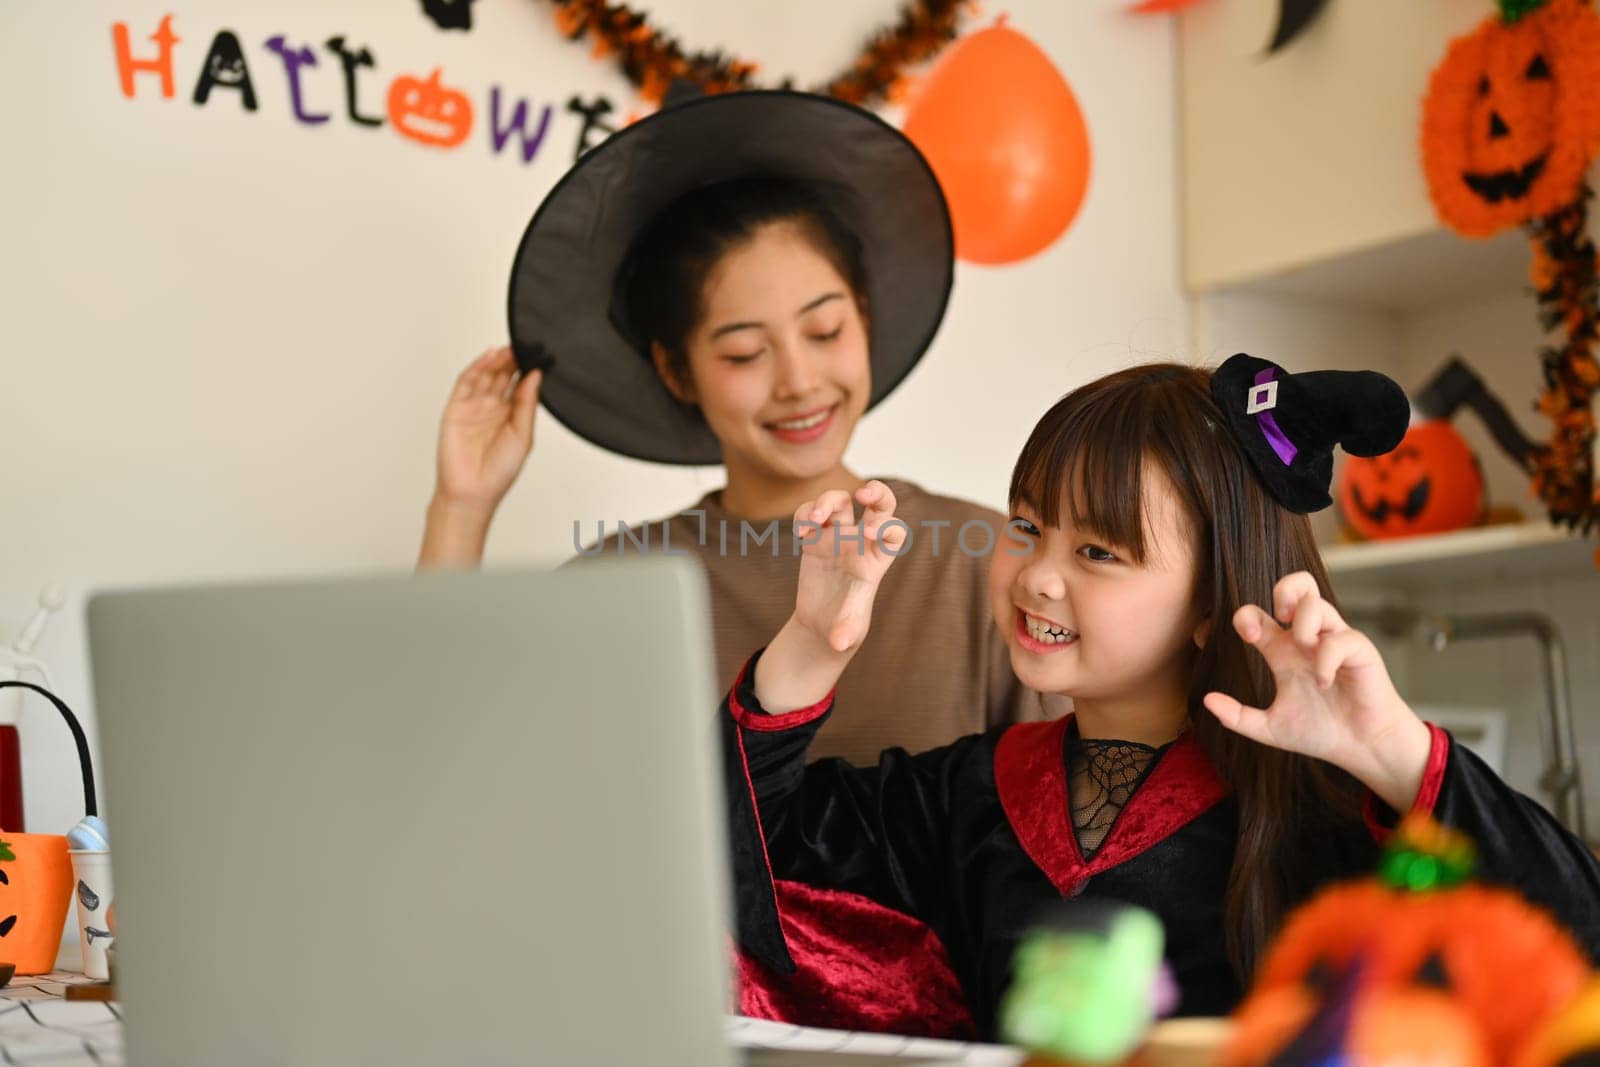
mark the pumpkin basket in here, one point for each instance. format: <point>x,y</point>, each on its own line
<point>1419,964</point>
<point>36,872</point>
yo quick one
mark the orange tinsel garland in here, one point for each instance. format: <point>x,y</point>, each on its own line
<point>1564,272</point>
<point>652,60</point>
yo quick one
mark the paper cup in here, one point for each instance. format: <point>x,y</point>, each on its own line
<point>91,872</point>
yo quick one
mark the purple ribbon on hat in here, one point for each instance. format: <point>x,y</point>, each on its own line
<point>1262,398</point>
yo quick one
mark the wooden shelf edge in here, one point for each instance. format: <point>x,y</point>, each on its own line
<point>1480,543</point>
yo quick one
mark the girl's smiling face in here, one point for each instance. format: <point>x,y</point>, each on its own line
<point>1085,617</point>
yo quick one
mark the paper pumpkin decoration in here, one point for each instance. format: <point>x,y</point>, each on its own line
<point>1403,1026</point>
<point>1430,483</point>
<point>35,893</point>
<point>1007,141</point>
<point>428,112</point>
<point>1416,964</point>
<point>1511,120</point>
<point>1571,1038</point>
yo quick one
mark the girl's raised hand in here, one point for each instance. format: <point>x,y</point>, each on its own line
<point>1334,699</point>
<point>842,561</point>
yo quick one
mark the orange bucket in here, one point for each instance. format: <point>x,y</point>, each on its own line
<point>35,893</point>
<point>36,880</point>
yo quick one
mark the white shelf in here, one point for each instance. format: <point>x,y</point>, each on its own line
<point>1464,557</point>
<point>1406,275</point>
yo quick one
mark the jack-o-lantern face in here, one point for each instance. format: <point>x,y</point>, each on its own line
<point>1430,483</point>
<point>10,920</point>
<point>429,113</point>
<point>1512,120</point>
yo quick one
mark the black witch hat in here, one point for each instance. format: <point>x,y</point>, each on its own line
<point>563,282</point>
<point>1288,424</point>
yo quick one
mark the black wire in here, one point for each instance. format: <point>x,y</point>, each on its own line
<point>89,806</point>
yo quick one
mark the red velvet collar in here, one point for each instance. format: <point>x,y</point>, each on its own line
<point>1030,773</point>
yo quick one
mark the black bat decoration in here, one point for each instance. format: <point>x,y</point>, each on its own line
<point>1293,16</point>
<point>449,14</point>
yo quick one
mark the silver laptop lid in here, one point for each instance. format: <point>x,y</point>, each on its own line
<point>458,818</point>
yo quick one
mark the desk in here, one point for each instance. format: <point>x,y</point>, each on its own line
<point>37,1026</point>
<point>1172,1043</point>
<point>761,1035</point>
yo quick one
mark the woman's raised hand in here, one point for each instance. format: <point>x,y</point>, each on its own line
<point>485,436</point>
<point>486,432</point>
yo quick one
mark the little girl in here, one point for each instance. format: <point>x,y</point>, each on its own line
<point>1223,760</point>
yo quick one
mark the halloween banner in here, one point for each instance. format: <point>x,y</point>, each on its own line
<point>340,80</point>
<point>449,14</point>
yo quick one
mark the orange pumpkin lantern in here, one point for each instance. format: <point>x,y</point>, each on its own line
<point>1430,483</point>
<point>35,892</point>
<point>1512,120</point>
<point>1452,974</point>
<point>428,112</point>
<point>1508,968</point>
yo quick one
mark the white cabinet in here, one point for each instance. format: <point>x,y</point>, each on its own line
<point>1310,154</point>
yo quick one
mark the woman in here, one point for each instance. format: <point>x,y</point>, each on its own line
<point>738,279</point>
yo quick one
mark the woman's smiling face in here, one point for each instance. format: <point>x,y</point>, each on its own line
<point>779,360</point>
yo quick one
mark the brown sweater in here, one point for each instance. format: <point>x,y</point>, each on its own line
<point>932,669</point>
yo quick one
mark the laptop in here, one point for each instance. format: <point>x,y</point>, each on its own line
<point>452,818</point>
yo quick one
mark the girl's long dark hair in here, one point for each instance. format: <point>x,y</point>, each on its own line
<point>1086,456</point>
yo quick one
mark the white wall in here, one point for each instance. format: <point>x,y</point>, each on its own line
<point>226,338</point>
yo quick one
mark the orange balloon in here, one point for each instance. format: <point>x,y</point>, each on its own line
<point>1007,140</point>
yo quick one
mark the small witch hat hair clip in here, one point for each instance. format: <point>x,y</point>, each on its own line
<point>1288,424</point>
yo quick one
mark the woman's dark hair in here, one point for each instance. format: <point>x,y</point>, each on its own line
<point>1086,456</point>
<point>662,283</point>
